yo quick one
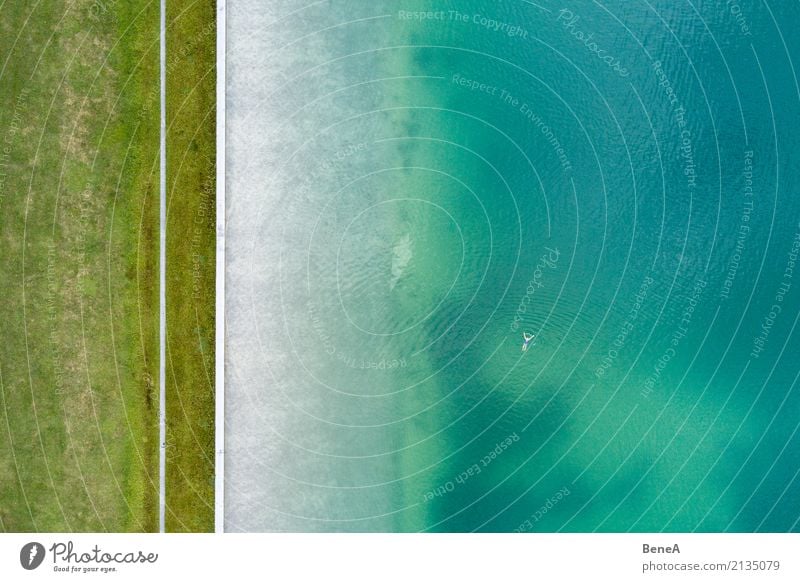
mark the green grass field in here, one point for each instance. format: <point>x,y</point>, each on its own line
<point>79,204</point>
<point>191,216</point>
<point>79,265</point>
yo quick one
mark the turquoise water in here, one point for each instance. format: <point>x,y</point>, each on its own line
<point>408,195</point>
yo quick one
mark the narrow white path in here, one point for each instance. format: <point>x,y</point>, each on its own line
<point>219,357</point>
<point>162,286</point>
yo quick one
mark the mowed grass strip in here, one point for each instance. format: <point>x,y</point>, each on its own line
<point>191,216</point>
<point>79,265</point>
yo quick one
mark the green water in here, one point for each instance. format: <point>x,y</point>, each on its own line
<point>458,180</point>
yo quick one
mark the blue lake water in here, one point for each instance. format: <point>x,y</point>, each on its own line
<point>413,185</point>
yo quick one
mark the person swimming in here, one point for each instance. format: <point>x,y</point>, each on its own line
<point>527,337</point>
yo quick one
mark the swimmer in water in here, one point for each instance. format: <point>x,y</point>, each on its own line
<point>527,337</point>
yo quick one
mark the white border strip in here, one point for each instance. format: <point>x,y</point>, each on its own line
<point>364,557</point>
<point>219,356</point>
<point>162,285</point>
